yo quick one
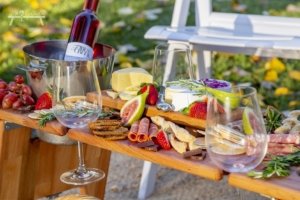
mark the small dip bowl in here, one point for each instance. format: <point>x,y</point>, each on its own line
<point>217,84</point>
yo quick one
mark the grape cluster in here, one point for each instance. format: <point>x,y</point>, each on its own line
<point>16,94</point>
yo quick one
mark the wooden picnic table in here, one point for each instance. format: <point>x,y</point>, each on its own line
<point>21,147</point>
<point>30,168</point>
<point>280,188</point>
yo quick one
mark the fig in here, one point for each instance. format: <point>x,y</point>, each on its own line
<point>27,99</point>
<point>8,100</point>
<point>26,90</point>
<point>250,121</point>
<point>19,79</point>
<point>17,104</point>
<point>133,109</point>
<point>3,84</point>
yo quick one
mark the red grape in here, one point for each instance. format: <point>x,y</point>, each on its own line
<point>26,90</point>
<point>8,100</point>
<point>3,93</point>
<point>18,104</point>
<point>13,87</point>
<point>27,99</point>
<point>3,84</point>
<point>19,79</point>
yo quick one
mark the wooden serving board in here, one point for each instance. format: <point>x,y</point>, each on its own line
<point>150,111</point>
<point>53,127</point>
<point>279,188</point>
<point>169,158</point>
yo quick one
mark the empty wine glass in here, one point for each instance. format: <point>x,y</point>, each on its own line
<point>235,137</point>
<point>171,62</point>
<point>73,109</point>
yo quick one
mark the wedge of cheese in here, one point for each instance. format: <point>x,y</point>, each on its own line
<point>124,78</point>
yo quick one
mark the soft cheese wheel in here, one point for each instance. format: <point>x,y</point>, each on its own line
<point>124,78</point>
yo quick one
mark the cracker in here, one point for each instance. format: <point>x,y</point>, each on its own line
<point>199,142</point>
<point>105,128</point>
<point>115,137</point>
<point>180,147</point>
<point>158,120</point>
<point>117,132</point>
<point>106,122</point>
<point>181,134</point>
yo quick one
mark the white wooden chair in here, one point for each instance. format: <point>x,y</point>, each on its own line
<point>226,32</point>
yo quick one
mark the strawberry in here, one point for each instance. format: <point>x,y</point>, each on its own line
<point>44,102</point>
<point>153,93</point>
<point>163,140</point>
<point>197,110</point>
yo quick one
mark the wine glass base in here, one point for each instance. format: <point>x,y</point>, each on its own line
<point>74,178</point>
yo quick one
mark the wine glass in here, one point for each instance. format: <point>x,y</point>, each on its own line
<point>73,109</point>
<point>235,134</point>
<point>171,62</point>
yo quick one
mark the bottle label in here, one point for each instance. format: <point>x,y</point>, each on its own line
<point>78,51</point>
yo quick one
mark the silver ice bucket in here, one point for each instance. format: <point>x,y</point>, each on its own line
<point>42,57</point>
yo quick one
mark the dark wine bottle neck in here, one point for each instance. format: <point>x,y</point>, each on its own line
<point>91,5</point>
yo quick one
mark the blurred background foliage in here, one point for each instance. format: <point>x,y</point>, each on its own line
<point>123,24</point>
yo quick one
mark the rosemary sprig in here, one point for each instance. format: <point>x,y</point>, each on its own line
<point>279,166</point>
<point>273,119</point>
<point>46,118</point>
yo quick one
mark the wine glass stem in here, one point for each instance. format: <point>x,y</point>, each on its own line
<point>161,95</point>
<point>81,167</point>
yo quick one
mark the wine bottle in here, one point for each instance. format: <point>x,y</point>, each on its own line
<point>84,33</point>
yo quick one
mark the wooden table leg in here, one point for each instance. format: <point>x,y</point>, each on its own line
<point>53,160</point>
<point>30,168</point>
<point>14,151</point>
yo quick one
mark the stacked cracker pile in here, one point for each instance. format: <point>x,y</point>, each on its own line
<point>110,129</point>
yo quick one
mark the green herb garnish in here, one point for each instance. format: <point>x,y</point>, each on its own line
<point>279,166</point>
<point>46,118</point>
<point>273,119</point>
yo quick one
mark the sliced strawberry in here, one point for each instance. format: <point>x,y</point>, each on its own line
<point>44,102</point>
<point>198,110</point>
<point>163,140</point>
<point>153,93</point>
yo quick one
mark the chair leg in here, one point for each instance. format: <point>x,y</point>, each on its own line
<point>204,64</point>
<point>148,178</point>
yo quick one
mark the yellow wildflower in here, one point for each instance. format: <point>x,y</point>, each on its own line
<point>34,4</point>
<point>65,21</point>
<point>275,64</point>
<point>294,103</point>
<point>9,36</point>
<point>255,58</point>
<point>294,74</point>
<point>281,91</point>
<point>125,65</point>
<point>271,75</point>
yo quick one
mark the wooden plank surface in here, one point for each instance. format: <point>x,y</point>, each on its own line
<point>16,117</point>
<point>287,188</point>
<point>150,111</point>
<point>170,158</point>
